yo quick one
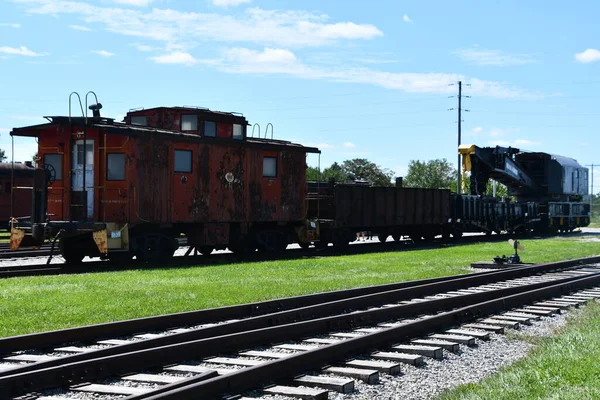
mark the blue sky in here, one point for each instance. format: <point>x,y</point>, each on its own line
<point>357,79</point>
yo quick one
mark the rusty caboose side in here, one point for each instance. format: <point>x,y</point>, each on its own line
<point>128,189</point>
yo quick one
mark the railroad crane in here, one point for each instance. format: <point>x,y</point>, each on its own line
<point>559,184</point>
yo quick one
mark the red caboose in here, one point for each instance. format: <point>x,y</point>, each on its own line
<point>125,189</point>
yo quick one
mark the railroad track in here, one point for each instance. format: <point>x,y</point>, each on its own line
<point>15,269</point>
<point>212,353</point>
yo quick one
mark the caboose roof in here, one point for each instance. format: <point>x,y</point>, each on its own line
<point>109,126</point>
<point>222,115</point>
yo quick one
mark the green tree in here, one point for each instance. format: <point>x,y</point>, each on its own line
<point>361,168</point>
<point>432,174</point>
<point>334,171</point>
<point>2,155</point>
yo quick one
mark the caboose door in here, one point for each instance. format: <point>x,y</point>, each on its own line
<point>82,199</point>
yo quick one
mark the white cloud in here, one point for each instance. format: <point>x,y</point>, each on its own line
<point>254,25</point>
<point>80,28</point>
<point>137,3</point>
<point>103,53</point>
<point>407,19</point>
<point>483,57</point>
<point>176,57</point>
<point>349,145</point>
<point>144,47</point>
<point>477,130</point>
<point>267,56</point>
<point>588,56</point>
<point>16,26</point>
<point>227,3</point>
<point>245,61</point>
<point>20,51</point>
<point>324,146</point>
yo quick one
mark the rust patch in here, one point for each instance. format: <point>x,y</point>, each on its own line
<point>16,237</point>
<point>101,239</point>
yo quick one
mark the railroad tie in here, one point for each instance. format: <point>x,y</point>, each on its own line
<point>302,393</point>
<point>543,313</point>
<point>466,340</point>
<point>522,320</point>
<point>486,327</point>
<point>322,341</point>
<point>466,332</point>
<point>524,315</point>
<point>111,389</point>
<point>233,361</point>
<point>297,347</point>
<point>506,324</point>
<point>558,303</point>
<point>369,376</point>
<point>197,369</point>
<point>386,367</point>
<point>153,378</point>
<point>265,354</point>
<point>410,359</point>
<point>427,351</point>
<point>445,344</point>
<point>340,385</point>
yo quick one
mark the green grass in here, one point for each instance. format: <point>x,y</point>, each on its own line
<point>34,304</point>
<point>4,237</point>
<point>564,366</point>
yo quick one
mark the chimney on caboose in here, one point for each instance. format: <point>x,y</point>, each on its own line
<point>96,109</point>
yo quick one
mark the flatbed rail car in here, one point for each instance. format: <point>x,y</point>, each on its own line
<point>118,190</point>
<point>345,209</point>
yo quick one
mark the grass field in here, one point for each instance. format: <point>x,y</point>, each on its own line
<point>33,304</point>
<point>4,237</point>
<point>564,366</point>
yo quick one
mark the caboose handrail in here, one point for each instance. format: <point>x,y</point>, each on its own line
<point>86,102</point>
<point>80,105</point>
<point>254,126</point>
<point>267,130</point>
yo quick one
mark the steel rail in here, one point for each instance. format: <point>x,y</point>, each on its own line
<point>253,377</point>
<point>119,364</point>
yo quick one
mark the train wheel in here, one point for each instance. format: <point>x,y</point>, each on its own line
<point>304,245</point>
<point>121,257</point>
<point>155,247</point>
<point>70,251</point>
<point>273,242</point>
<point>457,234</point>
<point>205,250</point>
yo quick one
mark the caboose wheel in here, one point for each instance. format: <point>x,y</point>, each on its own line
<point>70,251</point>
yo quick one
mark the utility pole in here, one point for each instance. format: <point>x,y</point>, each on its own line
<point>458,180</point>
<point>460,110</point>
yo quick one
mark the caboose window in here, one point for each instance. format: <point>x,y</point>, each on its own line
<point>115,167</point>
<point>210,129</point>
<point>55,161</point>
<point>183,161</point>
<point>139,120</point>
<point>270,167</point>
<point>238,132</point>
<point>189,122</point>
